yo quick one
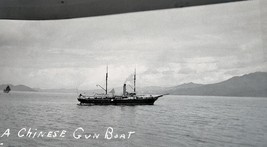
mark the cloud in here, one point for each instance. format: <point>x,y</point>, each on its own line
<point>168,47</point>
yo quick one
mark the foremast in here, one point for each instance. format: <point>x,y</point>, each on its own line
<point>105,89</point>
<point>135,80</point>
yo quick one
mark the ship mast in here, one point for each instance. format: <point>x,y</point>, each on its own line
<point>107,81</point>
<point>106,90</point>
<point>135,80</point>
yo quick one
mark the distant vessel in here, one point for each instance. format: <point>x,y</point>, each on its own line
<point>7,89</point>
<point>126,98</point>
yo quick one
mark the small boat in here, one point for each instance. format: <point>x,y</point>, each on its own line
<point>7,89</point>
<point>127,98</point>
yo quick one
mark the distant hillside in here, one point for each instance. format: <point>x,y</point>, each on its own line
<point>254,85</point>
<point>187,85</point>
<point>250,85</point>
<point>16,87</point>
<point>57,90</point>
<point>163,90</point>
<point>152,90</point>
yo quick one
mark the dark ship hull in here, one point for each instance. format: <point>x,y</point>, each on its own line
<point>6,91</point>
<point>119,101</point>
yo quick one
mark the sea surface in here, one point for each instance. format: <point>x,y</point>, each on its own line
<point>172,121</point>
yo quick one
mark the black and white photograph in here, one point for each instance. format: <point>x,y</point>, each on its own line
<point>133,73</point>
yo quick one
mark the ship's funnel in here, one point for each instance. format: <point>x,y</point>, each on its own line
<point>124,89</point>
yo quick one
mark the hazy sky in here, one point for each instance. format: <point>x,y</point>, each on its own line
<point>205,44</point>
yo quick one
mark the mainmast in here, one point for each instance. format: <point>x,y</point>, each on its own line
<point>107,81</point>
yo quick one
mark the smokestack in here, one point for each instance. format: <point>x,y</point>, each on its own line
<point>124,89</point>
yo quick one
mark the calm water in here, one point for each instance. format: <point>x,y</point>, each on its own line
<point>172,121</point>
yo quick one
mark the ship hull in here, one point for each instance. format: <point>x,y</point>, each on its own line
<point>111,101</point>
<point>6,91</point>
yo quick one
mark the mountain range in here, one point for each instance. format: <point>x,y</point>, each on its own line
<point>248,85</point>
<point>254,85</point>
<point>16,87</point>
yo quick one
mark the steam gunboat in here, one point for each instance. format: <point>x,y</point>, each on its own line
<point>127,98</point>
